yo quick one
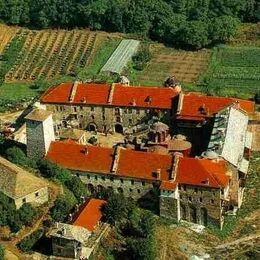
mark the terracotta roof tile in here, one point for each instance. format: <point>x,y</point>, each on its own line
<point>73,157</point>
<point>90,214</point>
<point>193,102</point>
<point>202,172</point>
<point>140,96</point>
<point>168,185</point>
<point>144,165</point>
<point>98,94</point>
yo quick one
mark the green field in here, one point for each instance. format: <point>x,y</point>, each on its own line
<point>234,71</point>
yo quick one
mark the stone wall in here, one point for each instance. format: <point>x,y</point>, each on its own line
<point>129,187</point>
<point>64,247</point>
<point>38,197</point>
<point>103,118</point>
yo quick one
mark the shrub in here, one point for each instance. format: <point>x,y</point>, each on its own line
<point>17,156</point>
<point>27,243</point>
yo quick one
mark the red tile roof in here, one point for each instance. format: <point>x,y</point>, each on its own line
<point>73,157</point>
<point>134,164</point>
<point>193,102</point>
<point>98,94</point>
<point>202,172</point>
<point>143,165</point>
<point>159,97</point>
<point>90,215</point>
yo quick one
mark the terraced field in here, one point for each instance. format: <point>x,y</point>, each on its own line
<point>6,35</point>
<point>51,53</point>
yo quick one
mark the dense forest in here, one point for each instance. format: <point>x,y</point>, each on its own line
<point>190,23</point>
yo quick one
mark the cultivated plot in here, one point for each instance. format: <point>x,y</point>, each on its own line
<point>50,53</point>
<point>186,66</point>
<point>6,35</point>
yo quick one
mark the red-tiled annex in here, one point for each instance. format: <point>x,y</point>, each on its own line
<point>90,215</point>
<point>198,107</point>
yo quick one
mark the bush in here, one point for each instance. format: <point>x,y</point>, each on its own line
<point>142,57</point>
<point>27,243</point>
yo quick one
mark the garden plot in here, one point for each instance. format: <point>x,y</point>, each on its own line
<point>186,66</point>
<point>121,56</point>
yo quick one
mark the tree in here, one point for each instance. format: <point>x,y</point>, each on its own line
<point>223,28</point>
<point>141,248</point>
<point>63,206</point>
<point>78,188</point>
<point>194,34</point>
<point>117,208</point>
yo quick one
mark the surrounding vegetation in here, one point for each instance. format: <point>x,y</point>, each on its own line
<point>28,242</point>
<point>13,218</point>
<point>134,227</point>
<point>183,22</point>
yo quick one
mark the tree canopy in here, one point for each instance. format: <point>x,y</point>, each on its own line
<point>162,20</point>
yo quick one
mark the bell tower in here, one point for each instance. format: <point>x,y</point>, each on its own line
<point>39,133</point>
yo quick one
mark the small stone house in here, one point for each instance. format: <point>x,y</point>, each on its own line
<point>76,135</point>
<point>80,239</point>
<point>21,186</point>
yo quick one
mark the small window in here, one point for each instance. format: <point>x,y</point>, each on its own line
<point>37,194</point>
<point>130,190</point>
<point>103,178</point>
<point>75,109</point>
<point>222,191</point>
<point>180,196</point>
<point>96,177</point>
<point>103,117</point>
<point>93,117</point>
<point>111,178</point>
<point>122,181</point>
<point>184,187</point>
<point>212,201</point>
<point>24,200</point>
<point>77,174</point>
<point>132,182</point>
<point>190,198</point>
<point>130,111</point>
<point>143,183</point>
<point>81,108</point>
<point>196,190</point>
<point>200,199</point>
<point>88,176</point>
<point>130,121</point>
<point>138,191</point>
<point>118,119</point>
<point>137,111</point>
<point>92,109</point>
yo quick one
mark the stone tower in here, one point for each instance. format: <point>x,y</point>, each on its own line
<point>39,133</point>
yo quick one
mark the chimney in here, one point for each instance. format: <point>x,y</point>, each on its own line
<point>86,150</point>
<point>116,159</point>
<point>73,91</point>
<point>111,93</point>
<point>134,102</point>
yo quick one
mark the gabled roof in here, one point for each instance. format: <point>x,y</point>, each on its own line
<point>16,182</point>
<point>116,95</point>
<point>202,172</point>
<point>38,115</point>
<point>90,215</point>
<point>143,165</point>
<point>198,107</point>
<point>71,133</point>
<point>133,164</point>
<point>75,157</point>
